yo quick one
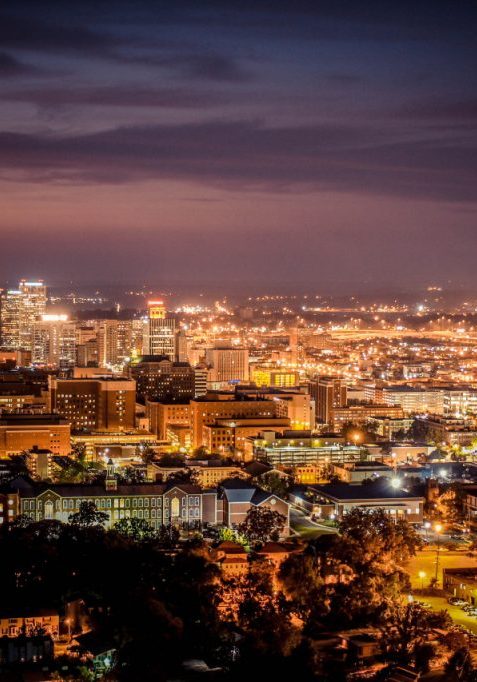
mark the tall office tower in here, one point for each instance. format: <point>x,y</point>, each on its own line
<point>161,331</point>
<point>328,393</point>
<point>20,309</point>
<point>10,314</point>
<point>227,365</point>
<point>124,341</point>
<point>32,308</point>
<point>54,341</point>
<point>181,346</point>
<point>107,342</point>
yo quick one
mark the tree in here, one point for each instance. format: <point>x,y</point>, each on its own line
<point>201,453</point>
<point>262,524</point>
<point>135,529</point>
<point>146,453</point>
<point>78,469</point>
<point>372,537</point>
<point>405,632</point>
<point>18,464</point>
<point>274,483</point>
<point>88,516</point>
<point>168,535</point>
<point>172,459</point>
<point>261,611</point>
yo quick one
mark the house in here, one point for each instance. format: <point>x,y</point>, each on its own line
<point>239,497</point>
<point>232,559</point>
<point>333,500</point>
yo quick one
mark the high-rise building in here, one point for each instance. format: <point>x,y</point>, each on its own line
<point>201,373</point>
<point>181,346</point>
<point>54,341</point>
<point>328,393</point>
<point>161,331</point>
<point>10,312</point>
<point>19,310</point>
<point>95,404</point>
<point>227,365</point>
<point>157,378</point>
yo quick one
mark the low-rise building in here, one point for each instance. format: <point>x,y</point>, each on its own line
<point>357,472</point>
<point>29,622</point>
<point>19,432</point>
<point>239,497</point>
<point>461,583</point>
<point>334,500</point>
<point>183,505</point>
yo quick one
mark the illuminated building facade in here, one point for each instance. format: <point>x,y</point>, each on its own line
<point>161,331</point>
<point>328,393</point>
<point>102,404</point>
<point>227,365</point>
<point>54,341</point>
<point>157,378</point>
<point>20,432</point>
<point>20,309</point>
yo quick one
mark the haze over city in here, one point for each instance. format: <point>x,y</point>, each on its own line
<point>283,144</point>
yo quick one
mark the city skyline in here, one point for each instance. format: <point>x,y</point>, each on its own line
<point>295,145</point>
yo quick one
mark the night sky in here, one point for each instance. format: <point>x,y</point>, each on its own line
<point>321,144</point>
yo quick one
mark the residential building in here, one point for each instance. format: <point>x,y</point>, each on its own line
<point>29,622</point>
<point>328,393</point>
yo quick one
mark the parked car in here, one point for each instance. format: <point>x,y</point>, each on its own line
<point>456,601</point>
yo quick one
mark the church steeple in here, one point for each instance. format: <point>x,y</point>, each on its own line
<point>111,482</point>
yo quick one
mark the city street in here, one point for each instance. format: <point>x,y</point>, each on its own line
<point>425,561</point>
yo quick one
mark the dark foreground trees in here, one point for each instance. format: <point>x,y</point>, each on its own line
<point>262,524</point>
<point>348,580</point>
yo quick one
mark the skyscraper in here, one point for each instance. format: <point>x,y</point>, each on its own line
<point>54,341</point>
<point>161,331</point>
<point>20,309</point>
<point>10,318</point>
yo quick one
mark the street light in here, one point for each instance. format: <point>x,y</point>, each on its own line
<point>422,575</point>
<point>438,529</point>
